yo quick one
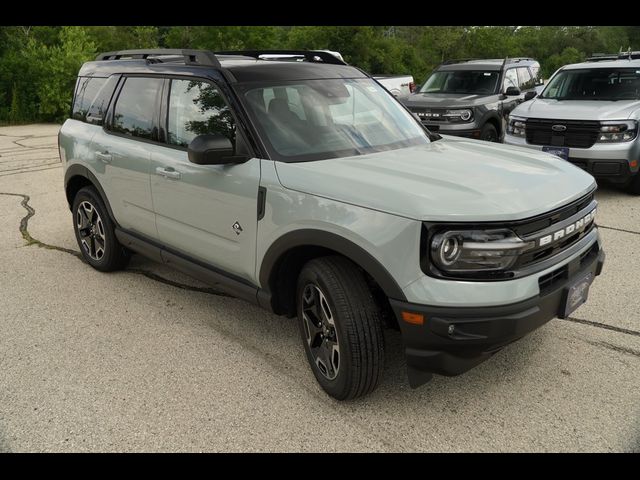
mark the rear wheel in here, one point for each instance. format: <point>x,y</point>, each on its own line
<point>95,232</point>
<point>341,327</point>
<point>489,133</point>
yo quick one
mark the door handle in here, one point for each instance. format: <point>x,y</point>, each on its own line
<point>104,157</point>
<point>168,173</point>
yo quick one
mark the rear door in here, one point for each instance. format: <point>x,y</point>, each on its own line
<point>123,147</point>
<point>206,212</point>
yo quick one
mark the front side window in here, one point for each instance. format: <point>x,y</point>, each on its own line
<point>135,108</point>
<point>197,108</point>
<point>595,84</point>
<point>474,82</point>
<point>510,79</point>
<point>526,81</point>
<point>86,91</point>
<point>330,118</point>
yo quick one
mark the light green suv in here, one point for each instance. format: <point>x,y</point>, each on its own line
<point>303,186</point>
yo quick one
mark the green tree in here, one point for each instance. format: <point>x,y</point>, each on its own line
<point>60,66</point>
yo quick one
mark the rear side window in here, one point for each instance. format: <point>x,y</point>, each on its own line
<point>98,108</point>
<point>136,106</point>
<point>197,108</point>
<point>86,92</point>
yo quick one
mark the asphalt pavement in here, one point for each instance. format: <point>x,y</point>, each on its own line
<point>148,359</point>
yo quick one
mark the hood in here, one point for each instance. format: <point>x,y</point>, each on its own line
<point>578,109</point>
<point>446,100</point>
<point>452,179</point>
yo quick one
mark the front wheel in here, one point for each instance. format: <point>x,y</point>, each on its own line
<point>489,133</point>
<point>341,327</point>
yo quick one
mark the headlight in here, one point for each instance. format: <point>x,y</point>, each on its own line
<point>618,131</point>
<point>517,126</point>
<point>463,115</point>
<point>460,251</point>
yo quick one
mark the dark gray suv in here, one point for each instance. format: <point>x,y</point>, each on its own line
<point>472,98</point>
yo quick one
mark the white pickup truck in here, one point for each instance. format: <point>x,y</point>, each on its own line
<point>398,85</point>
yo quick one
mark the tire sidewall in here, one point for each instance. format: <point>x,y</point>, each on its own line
<point>485,130</point>
<point>339,385</point>
<point>111,244</point>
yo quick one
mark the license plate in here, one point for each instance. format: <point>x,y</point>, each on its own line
<point>576,295</point>
<point>562,152</point>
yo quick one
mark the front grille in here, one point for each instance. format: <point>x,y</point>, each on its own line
<point>527,227</point>
<point>431,114</point>
<point>533,229</point>
<point>578,133</point>
<point>550,280</point>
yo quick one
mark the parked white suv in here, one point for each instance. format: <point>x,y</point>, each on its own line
<point>587,114</point>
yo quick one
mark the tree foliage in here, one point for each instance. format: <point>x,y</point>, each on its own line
<point>39,64</point>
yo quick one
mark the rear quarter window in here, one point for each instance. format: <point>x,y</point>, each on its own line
<point>86,92</point>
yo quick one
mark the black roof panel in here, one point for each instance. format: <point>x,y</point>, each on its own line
<point>242,69</point>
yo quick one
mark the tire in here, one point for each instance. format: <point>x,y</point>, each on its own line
<point>634,185</point>
<point>489,133</point>
<point>343,297</point>
<point>97,240</point>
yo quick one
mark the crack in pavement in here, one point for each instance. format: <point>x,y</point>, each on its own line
<point>29,171</point>
<point>272,359</point>
<point>24,231</point>
<point>26,167</point>
<point>602,325</point>
<point>619,229</point>
<point>615,348</point>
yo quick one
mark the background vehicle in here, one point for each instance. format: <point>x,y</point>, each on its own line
<point>400,86</point>
<point>306,188</point>
<point>472,98</point>
<point>588,114</point>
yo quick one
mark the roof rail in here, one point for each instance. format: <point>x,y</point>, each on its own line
<point>519,59</point>
<point>309,55</point>
<point>458,60</point>
<point>600,57</point>
<point>191,57</point>
<point>506,60</point>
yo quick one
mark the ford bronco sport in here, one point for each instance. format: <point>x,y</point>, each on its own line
<point>472,98</point>
<point>308,189</point>
<point>588,114</point>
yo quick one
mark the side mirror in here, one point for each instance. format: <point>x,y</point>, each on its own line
<point>529,95</point>
<point>512,92</point>
<point>213,149</point>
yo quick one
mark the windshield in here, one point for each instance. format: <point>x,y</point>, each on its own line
<point>329,118</point>
<point>595,84</point>
<point>462,81</point>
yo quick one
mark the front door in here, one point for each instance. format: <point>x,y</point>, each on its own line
<point>207,212</point>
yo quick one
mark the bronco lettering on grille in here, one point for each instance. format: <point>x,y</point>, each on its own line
<point>577,226</point>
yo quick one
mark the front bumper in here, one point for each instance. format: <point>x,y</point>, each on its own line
<point>453,340</point>
<point>460,130</point>
<point>605,161</point>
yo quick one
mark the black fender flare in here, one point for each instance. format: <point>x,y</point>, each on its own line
<point>493,115</point>
<point>321,238</point>
<point>82,171</point>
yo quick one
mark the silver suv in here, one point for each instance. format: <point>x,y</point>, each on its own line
<point>588,114</point>
<point>306,188</point>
